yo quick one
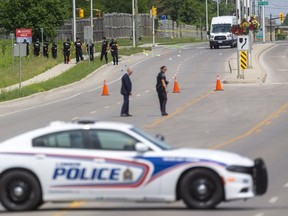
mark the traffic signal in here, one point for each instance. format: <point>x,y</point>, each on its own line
<point>154,11</point>
<point>281,16</point>
<point>81,13</point>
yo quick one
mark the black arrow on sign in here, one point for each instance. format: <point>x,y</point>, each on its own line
<point>244,43</point>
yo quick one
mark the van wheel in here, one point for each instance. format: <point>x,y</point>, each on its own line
<point>201,189</point>
<point>20,191</point>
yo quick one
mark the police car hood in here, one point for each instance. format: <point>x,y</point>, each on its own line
<point>218,156</point>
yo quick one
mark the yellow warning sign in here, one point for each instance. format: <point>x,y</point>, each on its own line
<point>243,59</point>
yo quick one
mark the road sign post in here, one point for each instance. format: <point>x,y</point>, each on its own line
<point>20,50</point>
<point>243,45</point>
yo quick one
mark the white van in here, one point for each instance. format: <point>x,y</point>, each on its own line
<point>220,34</point>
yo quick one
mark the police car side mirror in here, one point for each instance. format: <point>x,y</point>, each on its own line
<point>141,148</point>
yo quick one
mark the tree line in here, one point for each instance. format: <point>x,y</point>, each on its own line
<point>50,14</point>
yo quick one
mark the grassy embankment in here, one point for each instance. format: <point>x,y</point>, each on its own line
<point>32,66</point>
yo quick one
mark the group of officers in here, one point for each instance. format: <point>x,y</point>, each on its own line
<point>106,46</point>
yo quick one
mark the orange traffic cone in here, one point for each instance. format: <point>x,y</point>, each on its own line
<point>218,84</point>
<point>105,89</point>
<point>176,87</point>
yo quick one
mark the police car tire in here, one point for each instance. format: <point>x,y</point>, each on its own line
<point>30,201</point>
<point>205,178</point>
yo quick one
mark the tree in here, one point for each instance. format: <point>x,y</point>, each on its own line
<point>35,14</point>
<point>285,20</point>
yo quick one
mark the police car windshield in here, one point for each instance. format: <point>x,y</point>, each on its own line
<point>218,28</point>
<point>152,139</point>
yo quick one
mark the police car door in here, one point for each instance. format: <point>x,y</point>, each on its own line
<point>64,161</point>
<point>117,172</point>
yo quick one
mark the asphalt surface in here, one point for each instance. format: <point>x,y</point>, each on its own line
<point>254,74</point>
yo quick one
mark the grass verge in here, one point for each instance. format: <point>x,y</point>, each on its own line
<point>76,73</point>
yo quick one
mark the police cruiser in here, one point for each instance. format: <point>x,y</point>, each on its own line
<point>97,160</point>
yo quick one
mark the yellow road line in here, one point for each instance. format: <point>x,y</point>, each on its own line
<point>72,205</point>
<point>266,121</point>
<point>178,110</point>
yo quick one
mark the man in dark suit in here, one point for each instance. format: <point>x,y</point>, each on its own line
<point>126,89</point>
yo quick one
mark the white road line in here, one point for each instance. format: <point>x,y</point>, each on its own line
<point>273,200</point>
<point>138,95</point>
<point>118,102</point>
<point>146,91</point>
<point>286,185</point>
<point>259,214</point>
<point>75,118</point>
<point>92,112</point>
<point>107,107</point>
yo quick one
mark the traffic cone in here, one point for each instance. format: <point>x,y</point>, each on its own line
<point>176,87</point>
<point>105,91</point>
<point>218,84</point>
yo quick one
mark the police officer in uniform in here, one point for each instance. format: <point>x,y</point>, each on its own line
<point>161,87</point>
<point>36,48</point>
<point>54,50</point>
<point>46,48</point>
<point>90,50</point>
<point>27,47</point>
<point>78,48</point>
<point>104,50</point>
<point>66,51</point>
<point>114,51</point>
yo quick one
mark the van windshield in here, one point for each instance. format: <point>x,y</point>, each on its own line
<point>219,28</point>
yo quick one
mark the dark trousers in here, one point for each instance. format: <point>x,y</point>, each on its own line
<point>66,57</point>
<point>54,54</point>
<point>115,57</point>
<point>104,54</point>
<point>125,106</point>
<point>91,56</point>
<point>79,55</point>
<point>162,95</point>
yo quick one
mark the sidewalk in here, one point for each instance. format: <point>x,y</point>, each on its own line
<point>49,74</point>
<point>252,75</point>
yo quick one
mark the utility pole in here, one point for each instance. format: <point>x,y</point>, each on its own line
<point>207,25</point>
<point>133,22</point>
<point>91,20</point>
<point>136,22</point>
<point>74,19</point>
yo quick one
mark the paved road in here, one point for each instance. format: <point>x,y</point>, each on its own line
<point>248,119</point>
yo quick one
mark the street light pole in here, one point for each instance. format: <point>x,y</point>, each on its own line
<point>91,19</point>
<point>133,22</point>
<point>74,20</point>
<point>207,27</point>
<point>217,7</point>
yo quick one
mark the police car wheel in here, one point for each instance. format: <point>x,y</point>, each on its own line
<point>201,189</point>
<point>20,191</point>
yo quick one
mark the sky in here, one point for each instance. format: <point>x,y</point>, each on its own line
<point>274,7</point>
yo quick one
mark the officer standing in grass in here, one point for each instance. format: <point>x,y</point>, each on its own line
<point>66,51</point>
<point>36,48</point>
<point>46,48</point>
<point>104,50</point>
<point>90,50</point>
<point>27,47</point>
<point>54,50</point>
<point>114,51</point>
<point>78,48</point>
